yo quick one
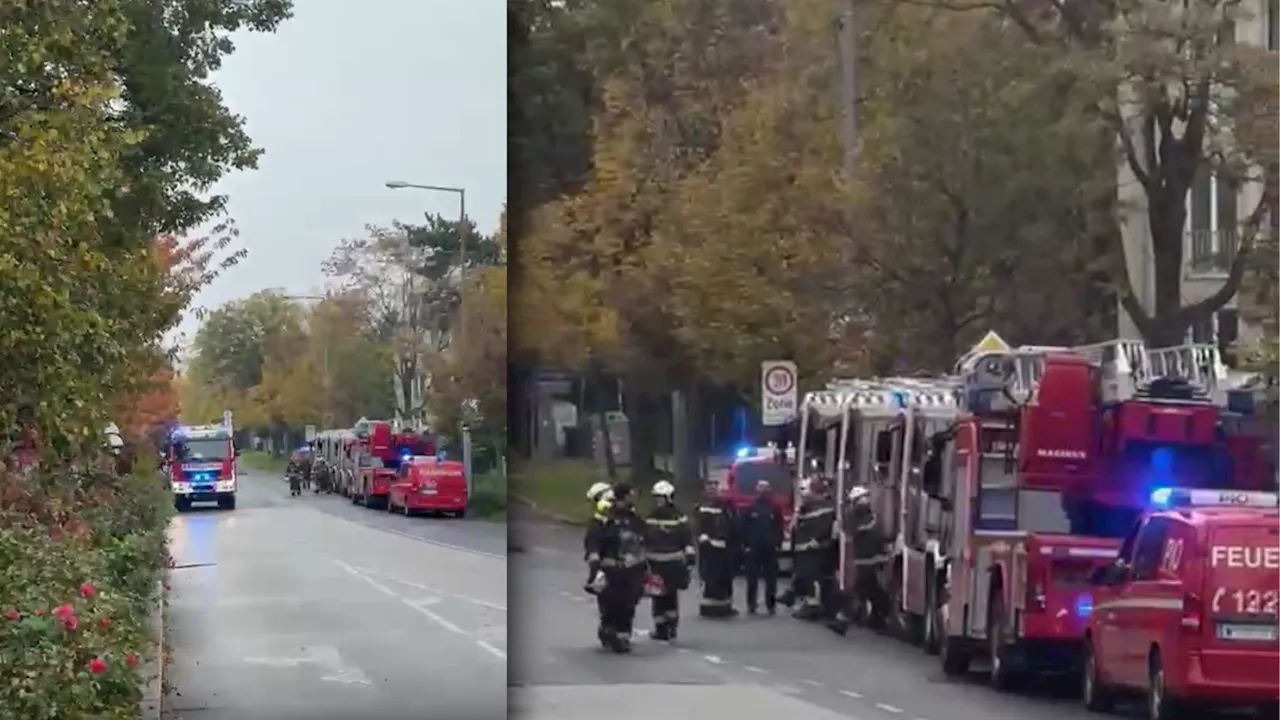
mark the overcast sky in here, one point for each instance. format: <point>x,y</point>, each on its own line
<point>348,95</point>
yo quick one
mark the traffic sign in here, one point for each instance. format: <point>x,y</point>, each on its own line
<point>991,342</point>
<point>310,431</point>
<point>226,418</point>
<point>779,398</point>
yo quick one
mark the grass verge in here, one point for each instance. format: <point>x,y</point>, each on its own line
<point>558,486</point>
<point>258,460</point>
<point>489,497</point>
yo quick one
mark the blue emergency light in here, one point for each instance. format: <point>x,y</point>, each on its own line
<point>744,452</point>
<point>1184,497</point>
<point>901,398</point>
<point>1084,606</point>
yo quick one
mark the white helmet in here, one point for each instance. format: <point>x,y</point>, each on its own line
<point>806,485</point>
<point>596,491</point>
<point>662,488</point>
<point>857,492</point>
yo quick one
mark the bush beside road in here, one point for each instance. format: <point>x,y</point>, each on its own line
<point>80,559</point>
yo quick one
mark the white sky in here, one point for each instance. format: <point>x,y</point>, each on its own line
<point>346,96</point>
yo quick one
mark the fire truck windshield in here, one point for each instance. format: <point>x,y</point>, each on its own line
<point>189,450</point>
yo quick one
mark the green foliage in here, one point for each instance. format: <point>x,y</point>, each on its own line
<point>79,564</point>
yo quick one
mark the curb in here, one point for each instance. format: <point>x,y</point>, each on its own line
<point>549,515</point>
<point>153,665</point>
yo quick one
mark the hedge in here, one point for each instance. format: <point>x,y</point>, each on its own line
<point>80,558</point>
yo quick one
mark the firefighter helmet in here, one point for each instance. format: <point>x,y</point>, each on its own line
<point>662,488</point>
<point>857,493</point>
<point>597,491</point>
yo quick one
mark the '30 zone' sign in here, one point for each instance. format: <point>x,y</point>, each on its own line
<point>779,398</point>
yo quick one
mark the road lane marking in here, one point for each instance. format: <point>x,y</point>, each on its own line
<point>325,656</point>
<point>447,625</point>
<point>428,588</point>
<point>713,659</point>
<point>889,708</point>
<point>811,683</point>
<point>851,694</point>
<point>754,669</point>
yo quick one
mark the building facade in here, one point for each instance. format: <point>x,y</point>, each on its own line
<point>1215,210</point>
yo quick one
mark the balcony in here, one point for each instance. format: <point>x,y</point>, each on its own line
<point>1209,253</point>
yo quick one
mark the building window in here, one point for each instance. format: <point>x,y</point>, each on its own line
<point>1213,211</point>
<point>1203,332</point>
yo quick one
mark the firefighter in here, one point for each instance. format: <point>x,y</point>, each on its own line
<point>716,543</point>
<point>601,497</point>
<point>762,530</point>
<point>813,538</point>
<point>618,555</point>
<point>868,557</point>
<point>668,546</point>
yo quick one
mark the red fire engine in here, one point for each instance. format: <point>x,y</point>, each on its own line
<point>1054,458</point>
<point>375,452</point>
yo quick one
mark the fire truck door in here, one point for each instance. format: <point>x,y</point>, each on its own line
<point>1140,608</point>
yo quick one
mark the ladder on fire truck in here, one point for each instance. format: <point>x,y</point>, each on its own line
<point>1127,369</point>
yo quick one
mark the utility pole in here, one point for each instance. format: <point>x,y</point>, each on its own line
<point>848,40</point>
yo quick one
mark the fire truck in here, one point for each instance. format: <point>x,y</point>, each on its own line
<point>1052,461</point>
<point>202,466</point>
<point>878,434</point>
<point>373,453</point>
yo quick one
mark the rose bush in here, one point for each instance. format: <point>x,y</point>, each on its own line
<point>80,557</point>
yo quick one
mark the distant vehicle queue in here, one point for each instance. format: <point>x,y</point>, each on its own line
<point>380,468</point>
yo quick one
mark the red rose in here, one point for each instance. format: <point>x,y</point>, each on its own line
<point>12,615</point>
<point>62,612</point>
<point>87,590</point>
<point>131,660</point>
<point>97,666</point>
<point>71,623</point>
<point>105,622</point>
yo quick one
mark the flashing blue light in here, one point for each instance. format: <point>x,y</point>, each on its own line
<point>1160,496</point>
<point>900,398</point>
<point>1162,461</point>
<point>441,455</point>
<point>1084,606</point>
<point>742,452</point>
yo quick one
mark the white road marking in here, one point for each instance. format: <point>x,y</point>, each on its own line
<point>851,694</point>
<point>327,657</point>
<point>713,659</point>
<point>811,683</point>
<point>430,589</point>
<point>754,669</point>
<point>419,538</point>
<point>496,652</point>
<point>889,708</point>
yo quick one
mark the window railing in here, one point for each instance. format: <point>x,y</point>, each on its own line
<point>1211,252</point>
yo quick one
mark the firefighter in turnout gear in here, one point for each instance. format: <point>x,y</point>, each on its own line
<point>600,495</point>
<point>669,548</point>
<point>869,556</point>
<point>814,538</point>
<point>617,555</point>
<point>716,543</point>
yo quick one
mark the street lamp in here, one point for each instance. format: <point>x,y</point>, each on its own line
<point>462,216</point>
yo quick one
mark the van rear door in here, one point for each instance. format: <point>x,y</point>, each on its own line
<point>1241,580</point>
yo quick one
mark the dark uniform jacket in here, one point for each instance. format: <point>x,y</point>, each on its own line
<point>591,539</point>
<point>668,545</point>
<point>715,523</point>
<point>617,544</point>
<point>762,526</point>
<point>868,543</point>
<point>815,525</point>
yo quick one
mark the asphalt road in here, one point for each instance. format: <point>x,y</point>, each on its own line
<point>313,608</point>
<point>746,667</point>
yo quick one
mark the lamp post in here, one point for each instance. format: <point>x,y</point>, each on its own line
<point>462,216</point>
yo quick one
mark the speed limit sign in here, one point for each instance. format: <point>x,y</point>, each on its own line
<point>778,395</point>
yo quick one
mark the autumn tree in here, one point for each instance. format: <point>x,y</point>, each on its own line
<point>1182,99</point>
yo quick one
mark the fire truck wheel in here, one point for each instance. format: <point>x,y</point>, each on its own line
<point>1096,695</point>
<point>181,504</point>
<point>932,620</point>
<point>407,511</point>
<point>1159,705</point>
<point>1003,677</point>
<point>227,503</point>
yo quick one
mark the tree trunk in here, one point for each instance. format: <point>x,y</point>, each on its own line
<point>640,421</point>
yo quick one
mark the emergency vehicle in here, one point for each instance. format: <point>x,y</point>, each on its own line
<point>1054,456</point>
<point>877,435</point>
<point>750,465</point>
<point>373,455</point>
<point>202,466</point>
<point>1187,611</point>
<point>429,484</point>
